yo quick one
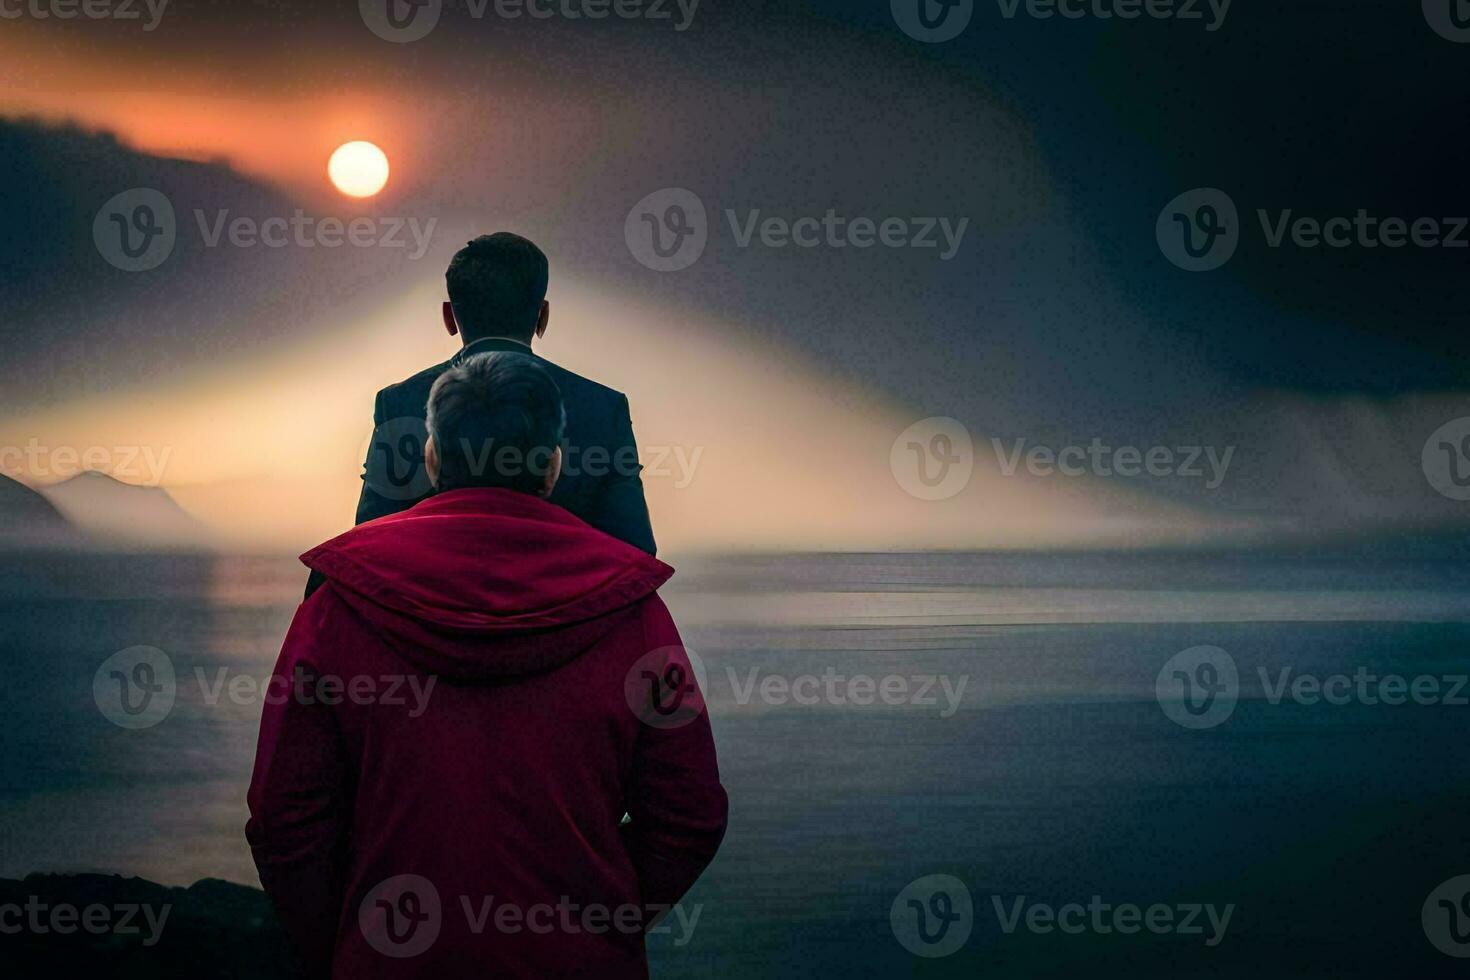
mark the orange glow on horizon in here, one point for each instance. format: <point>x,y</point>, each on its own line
<point>281,137</point>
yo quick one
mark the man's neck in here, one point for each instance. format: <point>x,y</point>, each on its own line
<point>482,340</point>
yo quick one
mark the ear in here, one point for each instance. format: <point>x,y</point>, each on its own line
<point>450,323</point>
<point>431,459</point>
<point>545,316</point>
<point>553,471</point>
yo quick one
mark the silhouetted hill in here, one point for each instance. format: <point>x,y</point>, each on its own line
<point>29,519</point>
<point>118,513</point>
<point>19,503</point>
<point>210,929</point>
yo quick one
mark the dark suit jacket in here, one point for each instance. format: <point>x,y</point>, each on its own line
<point>600,481</point>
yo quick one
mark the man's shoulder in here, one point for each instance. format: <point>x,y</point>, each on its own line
<point>575,385</point>
<point>411,395</point>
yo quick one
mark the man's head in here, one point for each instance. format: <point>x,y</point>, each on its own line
<point>497,288</point>
<point>495,420</point>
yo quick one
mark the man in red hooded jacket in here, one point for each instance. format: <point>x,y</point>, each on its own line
<point>484,751</point>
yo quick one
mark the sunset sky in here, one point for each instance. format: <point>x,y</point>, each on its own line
<point>782,376</point>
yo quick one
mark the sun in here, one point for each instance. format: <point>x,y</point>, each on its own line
<point>358,169</point>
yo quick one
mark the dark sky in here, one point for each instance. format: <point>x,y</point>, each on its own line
<point>1060,141</point>
<point>1322,108</point>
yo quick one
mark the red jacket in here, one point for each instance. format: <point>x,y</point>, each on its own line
<point>457,725</point>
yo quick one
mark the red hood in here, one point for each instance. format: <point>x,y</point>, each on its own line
<point>480,584</point>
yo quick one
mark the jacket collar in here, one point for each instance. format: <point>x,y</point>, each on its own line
<point>486,345</point>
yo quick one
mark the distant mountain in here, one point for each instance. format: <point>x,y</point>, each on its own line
<point>122,514</point>
<point>20,504</point>
<point>29,519</point>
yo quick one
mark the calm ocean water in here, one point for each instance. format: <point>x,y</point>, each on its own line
<point>1054,773</point>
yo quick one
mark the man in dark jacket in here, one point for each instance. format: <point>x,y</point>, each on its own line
<point>497,302</point>
<point>462,716</point>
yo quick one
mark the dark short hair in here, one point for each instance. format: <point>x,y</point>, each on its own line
<point>497,284</point>
<point>496,419</point>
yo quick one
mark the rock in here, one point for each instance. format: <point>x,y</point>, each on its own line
<point>107,925</point>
